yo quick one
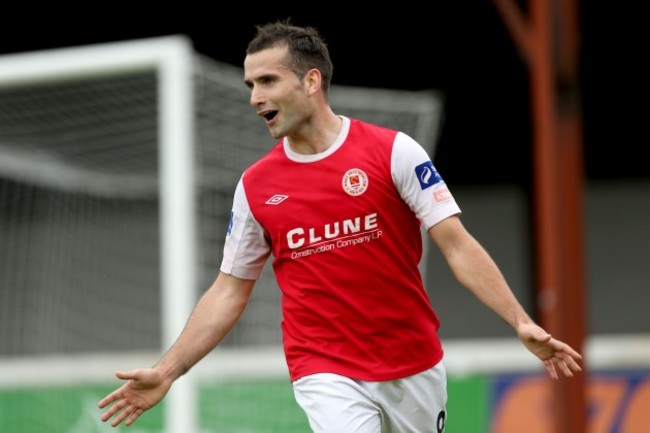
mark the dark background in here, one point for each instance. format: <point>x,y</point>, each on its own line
<point>462,49</point>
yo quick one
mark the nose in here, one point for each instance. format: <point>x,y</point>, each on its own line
<point>257,97</point>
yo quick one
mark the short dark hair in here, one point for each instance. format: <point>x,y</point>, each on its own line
<point>307,50</point>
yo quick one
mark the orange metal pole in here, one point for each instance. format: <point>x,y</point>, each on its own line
<point>569,138</point>
<point>546,172</point>
<point>549,42</point>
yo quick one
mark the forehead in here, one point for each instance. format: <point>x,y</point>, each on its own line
<point>269,61</point>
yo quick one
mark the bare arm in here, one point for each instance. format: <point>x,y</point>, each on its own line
<point>475,269</point>
<point>213,317</point>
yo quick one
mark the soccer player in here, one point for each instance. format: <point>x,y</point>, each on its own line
<point>339,203</point>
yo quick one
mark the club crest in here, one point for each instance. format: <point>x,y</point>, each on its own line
<point>355,182</point>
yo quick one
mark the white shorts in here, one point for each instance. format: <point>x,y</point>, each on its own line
<point>337,404</point>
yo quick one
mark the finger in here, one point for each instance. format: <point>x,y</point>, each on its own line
<point>565,368</point>
<point>572,352</point>
<point>134,416</point>
<point>570,362</point>
<point>572,365</point>
<point>550,368</point>
<point>122,415</point>
<point>566,349</point>
<point>113,396</point>
<point>113,410</point>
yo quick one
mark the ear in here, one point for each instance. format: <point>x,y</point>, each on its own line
<point>312,81</point>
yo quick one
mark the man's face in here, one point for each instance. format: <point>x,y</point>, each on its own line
<point>277,94</point>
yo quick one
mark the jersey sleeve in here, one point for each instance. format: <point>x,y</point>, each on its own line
<point>246,249</point>
<point>419,183</point>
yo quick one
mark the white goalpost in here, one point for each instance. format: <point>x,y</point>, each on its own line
<point>171,60</point>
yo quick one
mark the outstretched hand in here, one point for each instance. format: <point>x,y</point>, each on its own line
<point>553,353</point>
<point>144,388</point>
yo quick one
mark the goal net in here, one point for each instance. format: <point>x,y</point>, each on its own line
<point>117,167</point>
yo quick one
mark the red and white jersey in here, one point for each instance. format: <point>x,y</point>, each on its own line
<point>343,227</point>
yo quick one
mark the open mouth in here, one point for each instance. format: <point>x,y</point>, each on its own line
<point>269,115</point>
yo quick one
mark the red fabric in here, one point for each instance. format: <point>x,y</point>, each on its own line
<point>353,300</point>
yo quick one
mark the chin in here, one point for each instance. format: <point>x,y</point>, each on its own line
<point>276,133</point>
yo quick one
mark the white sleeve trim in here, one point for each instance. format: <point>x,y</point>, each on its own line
<point>245,251</point>
<point>431,202</point>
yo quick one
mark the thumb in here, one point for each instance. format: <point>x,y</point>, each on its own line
<point>534,334</point>
<point>126,375</point>
<point>543,336</point>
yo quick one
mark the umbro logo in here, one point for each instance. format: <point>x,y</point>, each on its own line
<point>277,199</point>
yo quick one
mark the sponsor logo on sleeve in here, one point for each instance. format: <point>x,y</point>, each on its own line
<point>230,223</point>
<point>427,175</point>
<point>442,195</point>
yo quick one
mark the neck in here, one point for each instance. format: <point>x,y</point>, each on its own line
<point>317,135</point>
